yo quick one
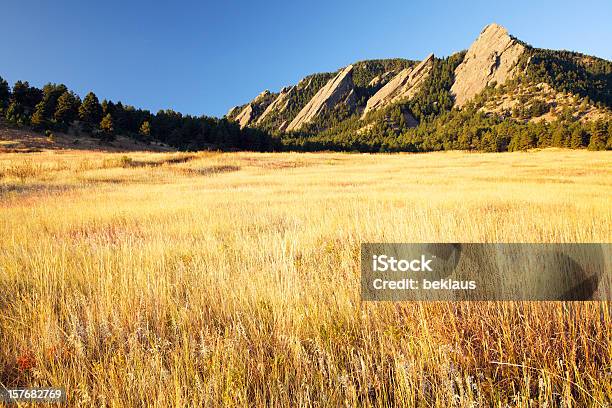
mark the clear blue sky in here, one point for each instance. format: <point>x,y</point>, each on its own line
<point>202,57</point>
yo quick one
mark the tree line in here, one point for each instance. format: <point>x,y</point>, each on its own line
<point>440,126</point>
<point>463,130</point>
<point>56,108</point>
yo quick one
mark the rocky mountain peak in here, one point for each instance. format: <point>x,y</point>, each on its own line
<point>491,58</point>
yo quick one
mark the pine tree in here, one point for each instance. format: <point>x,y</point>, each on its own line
<point>51,93</point>
<point>488,143</point>
<point>43,116</point>
<point>14,114</point>
<point>67,109</point>
<point>598,136</point>
<point>560,136</point>
<point>107,128</point>
<point>108,107</point>
<point>26,98</point>
<point>119,117</point>
<point>90,111</point>
<point>106,125</point>
<point>39,117</point>
<point>145,129</point>
<point>577,138</point>
<point>5,94</point>
<point>526,140</point>
<point>597,143</point>
<point>20,93</point>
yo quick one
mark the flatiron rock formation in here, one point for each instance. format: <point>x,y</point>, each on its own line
<point>390,94</point>
<point>336,90</point>
<point>491,58</point>
<point>402,87</point>
<point>279,105</point>
<point>251,110</point>
<point>233,112</point>
<point>245,116</point>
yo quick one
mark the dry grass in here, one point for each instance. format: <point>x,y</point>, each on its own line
<point>27,141</point>
<point>233,279</point>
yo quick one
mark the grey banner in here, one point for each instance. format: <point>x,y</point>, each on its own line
<point>472,271</point>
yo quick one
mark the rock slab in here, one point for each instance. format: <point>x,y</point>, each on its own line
<point>249,113</point>
<point>402,87</point>
<point>491,58</point>
<point>278,105</point>
<point>336,90</point>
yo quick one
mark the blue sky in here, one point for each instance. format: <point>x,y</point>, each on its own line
<point>202,57</point>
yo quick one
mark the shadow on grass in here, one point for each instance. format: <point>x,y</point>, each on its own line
<point>6,190</point>
<point>157,163</point>
<point>208,171</point>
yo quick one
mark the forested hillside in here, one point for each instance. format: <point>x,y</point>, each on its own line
<point>55,108</point>
<point>518,97</point>
<point>501,94</point>
<point>572,72</point>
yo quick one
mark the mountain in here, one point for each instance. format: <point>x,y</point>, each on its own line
<point>489,96</point>
<point>492,58</point>
<point>298,105</point>
<point>500,94</point>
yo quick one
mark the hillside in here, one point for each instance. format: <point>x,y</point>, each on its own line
<point>29,114</point>
<point>297,105</point>
<point>25,141</point>
<point>500,94</point>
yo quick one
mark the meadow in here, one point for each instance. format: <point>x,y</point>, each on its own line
<point>232,279</point>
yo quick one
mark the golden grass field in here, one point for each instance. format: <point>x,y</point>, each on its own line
<point>232,279</point>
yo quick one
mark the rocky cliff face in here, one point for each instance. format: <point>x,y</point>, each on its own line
<point>338,89</point>
<point>402,87</point>
<point>491,58</point>
<point>245,116</point>
<point>278,105</point>
<point>253,109</point>
<point>233,112</point>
